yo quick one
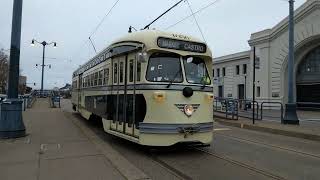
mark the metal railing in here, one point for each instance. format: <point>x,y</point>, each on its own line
<point>55,98</point>
<point>246,108</point>
<point>27,100</point>
<point>227,106</point>
<point>235,108</point>
<point>272,106</point>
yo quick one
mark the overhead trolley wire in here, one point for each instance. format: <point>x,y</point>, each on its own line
<point>201,9</point>
<point>97,27</point>
<point>148,25</point>
<point>194,16</point>
<point>89,40</point>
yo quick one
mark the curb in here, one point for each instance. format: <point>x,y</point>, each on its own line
<point>126,169</point>
<point>295,134</point>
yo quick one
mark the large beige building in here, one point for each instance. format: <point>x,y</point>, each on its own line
<point>233,73</point>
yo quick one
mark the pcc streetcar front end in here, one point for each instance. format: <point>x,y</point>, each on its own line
<point>178,97</point>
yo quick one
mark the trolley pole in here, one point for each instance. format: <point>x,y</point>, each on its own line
<point>11,123</point>
<point>291,107</point>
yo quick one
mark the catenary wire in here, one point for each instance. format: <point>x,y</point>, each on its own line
<point>195,19</point>
<point>97,27</point>
<point>198,11</point>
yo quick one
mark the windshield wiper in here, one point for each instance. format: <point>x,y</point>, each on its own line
<point>174,78</point>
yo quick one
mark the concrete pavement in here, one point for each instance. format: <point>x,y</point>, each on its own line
<point>58,147</point>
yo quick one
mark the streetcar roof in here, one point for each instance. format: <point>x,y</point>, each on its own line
<point>149,38</point>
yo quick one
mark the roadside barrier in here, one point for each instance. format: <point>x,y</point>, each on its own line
<point>246,108</point>
<point>54,99</point>
<point>229,107</point>
<point>273,107</point>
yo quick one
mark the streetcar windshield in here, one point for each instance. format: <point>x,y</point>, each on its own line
<point>196,71</point>
<point>164,67</point>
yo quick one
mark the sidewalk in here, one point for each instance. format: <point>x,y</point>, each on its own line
<point>58,147</point>
<point>307,129</point>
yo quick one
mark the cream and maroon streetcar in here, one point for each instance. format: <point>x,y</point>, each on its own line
<point>150,87</point>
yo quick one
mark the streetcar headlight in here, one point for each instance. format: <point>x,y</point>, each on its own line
<point>188,110</point>
<point>159,96</point>
<point>209,97</point>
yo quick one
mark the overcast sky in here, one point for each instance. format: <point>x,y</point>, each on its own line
<point>226,25</point>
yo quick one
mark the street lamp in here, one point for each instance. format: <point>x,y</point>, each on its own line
<point>291,107</point>
<point>44,44</point>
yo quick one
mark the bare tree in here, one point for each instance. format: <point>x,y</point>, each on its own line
<point>4,69</point>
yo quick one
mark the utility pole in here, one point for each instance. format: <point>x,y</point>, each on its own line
<point>253,84</point>
<point>291,107</point>
<point>42,70</point>
<point>11,123</point>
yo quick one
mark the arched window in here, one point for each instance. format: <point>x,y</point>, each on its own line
<point>309,68</point>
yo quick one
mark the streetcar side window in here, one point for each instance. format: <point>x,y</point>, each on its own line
<point>87,81</point>
<point>95,78</point>
<point>138,71</point>
<point>100,77</point>
<point>115,72</point>
<point>92,79</point>
<point>121,72</point>
<point>106,76</point>
<point>131,70</point>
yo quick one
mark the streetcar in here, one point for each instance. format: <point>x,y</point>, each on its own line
<point>150,87</point>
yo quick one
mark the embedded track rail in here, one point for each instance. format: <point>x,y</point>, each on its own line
<point>179,174</point>
<point>241,164</point>
<point>269,145</point>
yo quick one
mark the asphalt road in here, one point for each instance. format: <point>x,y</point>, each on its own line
<point>234,154</point>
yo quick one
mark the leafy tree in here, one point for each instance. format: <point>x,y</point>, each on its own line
<point>4,69</point>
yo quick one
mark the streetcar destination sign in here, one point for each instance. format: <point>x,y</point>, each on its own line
<point>181,45</point>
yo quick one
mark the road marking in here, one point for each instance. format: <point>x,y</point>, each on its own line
<point>221,129</point>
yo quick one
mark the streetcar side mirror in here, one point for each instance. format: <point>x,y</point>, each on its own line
<point>142,57</point>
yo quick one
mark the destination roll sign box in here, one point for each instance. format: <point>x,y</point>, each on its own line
<point>181,45</point>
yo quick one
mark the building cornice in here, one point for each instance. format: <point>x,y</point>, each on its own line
<point>270,34</point>
<point>232,57</point>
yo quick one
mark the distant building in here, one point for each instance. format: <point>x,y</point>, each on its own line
<point>233,73</point>
<point>67,87</point>
<point>22,84</point>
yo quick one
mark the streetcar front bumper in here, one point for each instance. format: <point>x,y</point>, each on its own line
<point>170,134</point>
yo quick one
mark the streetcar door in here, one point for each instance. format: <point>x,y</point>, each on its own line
<point>130,105</point>
<point>119,118</point>
<point>115,98</point>
<point>122,95</point>
<point>79,90</point>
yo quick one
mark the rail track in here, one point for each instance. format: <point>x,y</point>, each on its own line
<point>179,174</point>
<point>241,164</point>
<point>268,145</point>
<point>152,156</point>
